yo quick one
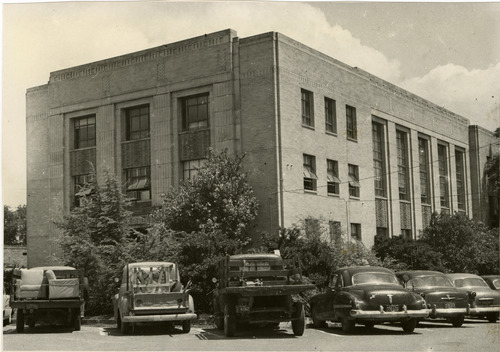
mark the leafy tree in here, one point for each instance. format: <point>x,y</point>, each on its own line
<point>218,198</point>
<point>95,238</point>
<point>465,245</point>
<point>14,225</point>
<point>491,189</point>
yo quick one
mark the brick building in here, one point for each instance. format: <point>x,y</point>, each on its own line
<point>321,138</point>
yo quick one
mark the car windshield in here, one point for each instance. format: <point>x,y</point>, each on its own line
<point>470,282</point>
<point>151,275</point>
<point>430,281</point>
<point>374,278</point>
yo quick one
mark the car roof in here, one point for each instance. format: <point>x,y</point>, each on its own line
<point>256,256</point>
<point>143,264</point>
<point>363,269</point>
<point>415,273</point>
<point>462,275</point>
<point>53,267</point>
<point>492,277</point>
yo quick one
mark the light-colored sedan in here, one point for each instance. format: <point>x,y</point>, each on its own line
<point>484,301</point>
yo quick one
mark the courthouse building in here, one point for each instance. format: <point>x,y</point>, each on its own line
<point>322,139</point>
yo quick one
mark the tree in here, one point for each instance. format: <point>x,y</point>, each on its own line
<point>218,197</point>
<point>95,238</point>
<point>491,189</point>
<point>465,245</point>
<point>14,225</point>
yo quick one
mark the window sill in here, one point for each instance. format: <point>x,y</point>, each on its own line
<point>334,195</point>
<point>310,191</point>
<point>194,130</point>
<point>135,140</point>
<point>333,134</point>
<point>308,127</point>
<point>352,140</point>
<point>354,198</point>
<point>81,149</point>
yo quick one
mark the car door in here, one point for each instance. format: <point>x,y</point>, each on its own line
<point>334,285</point>
<point>123,293</point>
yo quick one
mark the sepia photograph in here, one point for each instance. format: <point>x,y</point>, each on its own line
<point>250,176</point>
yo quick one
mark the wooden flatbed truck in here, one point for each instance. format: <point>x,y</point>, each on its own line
<point>48,294</point>
<point>258,289</point>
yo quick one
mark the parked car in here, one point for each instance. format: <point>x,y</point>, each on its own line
<point>258,289</point>
<point>152,292</point>
<point>367,295</point>
<point>442,297</point>
<point>493,281</point>
<point>484,301</point>
<point>8,311</point>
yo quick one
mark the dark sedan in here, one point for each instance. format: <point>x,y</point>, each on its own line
<point>442,297</point>
<point>367,295</point>
<point>484,301</point>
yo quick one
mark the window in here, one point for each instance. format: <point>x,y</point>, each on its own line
<point>459,163</point>
<point>406,234</point>
<point>382,232</point>
<point>356,232</point>
<point>137,123</point>
<point>307,108</point>
<point>195,112</point>
<point>310,173</point>
<point>353,176</point>
<point>403,180</point>
<point>379,159</point>
<point>312,227</point>
<point>335,231</point>
<point>138,183</point>
<point>333,181</point>
<point>79,187</point>
<point>352,126</point>
<point>423,161</point>
<point>191,168</point>
<point>443,176</point>
<point>330,116</point>
<point>84,132</point>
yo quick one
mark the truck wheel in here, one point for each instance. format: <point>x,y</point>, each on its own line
<point>186,326</point>
<point>77,320</point>
<point>492,317</point>
<point>229,320</point>
<point>317,323</point>
<point>347,325</point>
<point>20,320</point>
<point>409,325</point>
<point>299,325</point>
<point>124,327</point>
<point>458,321</point>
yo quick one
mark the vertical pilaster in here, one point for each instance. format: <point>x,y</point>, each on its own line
<point>393,186</point>
<point>105,143</point>
<point>161,147</point>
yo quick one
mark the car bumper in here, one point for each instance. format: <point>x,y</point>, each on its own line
<point>385,316</point>
<point>158,317</point>
<point>447,312</point>
<point>483,310</point>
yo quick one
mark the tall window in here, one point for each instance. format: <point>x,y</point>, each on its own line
<point>403,174</point>
<point>335,231</point>
<point>137,122</point>
<point>330,115</point>
<point>138,183</point>
<point>79,190</point>
<point>195,112</point>
<point>307,108</point>
<point>312,227</point>
<point>459,163</point>
<point>352,125</point>
<point>333,182</point>
<point>191,168</point>
<point>423,163</point>
<point>84,132</point>
<point>443,176</point>
<point>353,176</point>
<point>379,159</point>
<point>310,172</point>
<point>356,232</point>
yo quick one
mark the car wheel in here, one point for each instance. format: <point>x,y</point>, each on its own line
<point>409,325</point>
<point>229,320</point>
<point>347,325</point>
<point>458,321</point>
<point>186,326</point>
<point>77,320</point>
<point>299,325</point>
<point>317,323</point>
<point>492,317</point>
<point>124,327</point>
<point>20,320</point>
<point>218,316</point>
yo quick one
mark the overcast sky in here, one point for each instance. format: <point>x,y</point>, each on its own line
<point>448,53</point>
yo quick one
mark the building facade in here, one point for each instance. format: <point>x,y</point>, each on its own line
<point>322,139</point>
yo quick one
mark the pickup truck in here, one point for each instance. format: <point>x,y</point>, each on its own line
<point>51,294</point>
<point>258,289</point>
<point>152,292</point>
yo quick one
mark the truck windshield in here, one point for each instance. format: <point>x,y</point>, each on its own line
<point>147,278</point>
<point>374,278</point>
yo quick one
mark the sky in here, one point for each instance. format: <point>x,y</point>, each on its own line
<point>448,53</point>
